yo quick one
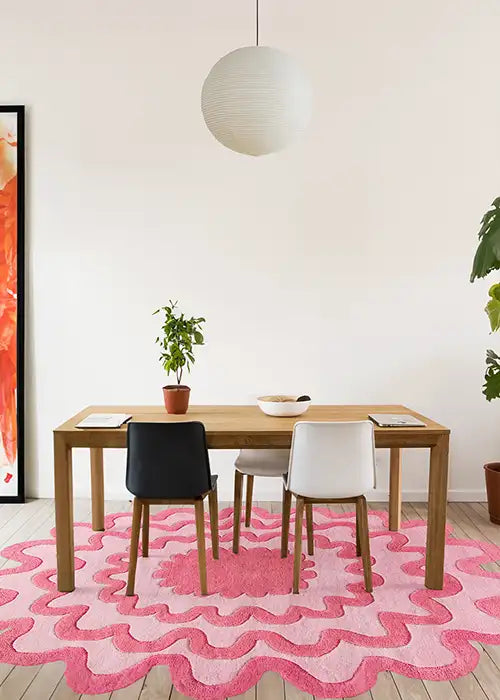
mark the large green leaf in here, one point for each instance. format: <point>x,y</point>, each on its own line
<point>487,256</point>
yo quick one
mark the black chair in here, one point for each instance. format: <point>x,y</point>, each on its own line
<point>167,463</point>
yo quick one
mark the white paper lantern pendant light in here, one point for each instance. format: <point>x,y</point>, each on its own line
<point>257,99</point>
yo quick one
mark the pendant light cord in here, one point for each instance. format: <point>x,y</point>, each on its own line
<point>256,22</point>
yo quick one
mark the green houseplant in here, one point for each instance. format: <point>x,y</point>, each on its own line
<point>486,260</point>
<point>179,335</point>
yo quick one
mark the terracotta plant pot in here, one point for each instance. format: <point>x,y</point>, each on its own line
<point>492,474</point>
<point>176,397</point>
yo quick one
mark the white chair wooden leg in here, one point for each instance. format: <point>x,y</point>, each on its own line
<point>298,544</point>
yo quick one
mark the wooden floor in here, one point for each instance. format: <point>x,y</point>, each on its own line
<point>34,520</point>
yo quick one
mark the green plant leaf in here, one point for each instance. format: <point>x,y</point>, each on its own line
<point>179,334</point>
<point>487,257</point>
<point>492,308</point>
<point>494,291</point>
<point>491,386</point>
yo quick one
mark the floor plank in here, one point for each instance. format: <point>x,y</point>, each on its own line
<point>464,515</point>
<point>33,528</point>
<point>5,669</point>
<point>132,692</point>
<point>440,690</point>
<point>410,687</point>
<point>494,654</point>
<point>45,681</point>
<point>21,519</point>
<point>461,524</point>
<point>249,695</point>
<point>293,693</point>
<point>487,529</point>
<point>385,688</point>
<point>158,684</point>
<point>9,510</point>
<point>270,687</point>
<point>17,682</point>
<point>488,678</point>
<point>468,688</point>
<point>63,692</point>
<point>377,505</point>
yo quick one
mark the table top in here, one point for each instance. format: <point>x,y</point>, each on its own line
<point>229,427</point>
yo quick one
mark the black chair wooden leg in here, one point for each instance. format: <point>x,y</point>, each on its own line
<point>200,536</point>
<point>213,505</point>
<point>145,530</point>
<point>134,546</point>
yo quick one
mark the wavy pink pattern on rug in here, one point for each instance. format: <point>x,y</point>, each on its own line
<point>331,640</point>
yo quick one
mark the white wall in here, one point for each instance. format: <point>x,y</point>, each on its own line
<point>338,267</point>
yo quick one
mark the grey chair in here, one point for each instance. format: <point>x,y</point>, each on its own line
<point>251,463</point>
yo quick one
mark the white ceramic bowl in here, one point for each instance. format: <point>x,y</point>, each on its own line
<point>282,408</point>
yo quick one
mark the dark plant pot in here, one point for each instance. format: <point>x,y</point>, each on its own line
<point>492,475</point>
<point>176,397</point>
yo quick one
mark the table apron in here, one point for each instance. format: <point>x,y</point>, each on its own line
<point>222,441</point>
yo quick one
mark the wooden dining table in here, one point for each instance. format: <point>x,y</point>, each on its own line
<point>239,427</point>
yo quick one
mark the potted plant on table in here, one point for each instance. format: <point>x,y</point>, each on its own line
<point>487,258</point>
<point>177,340</point>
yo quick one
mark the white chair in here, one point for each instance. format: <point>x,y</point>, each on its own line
<point>251,463</point>
<point>329,463</point>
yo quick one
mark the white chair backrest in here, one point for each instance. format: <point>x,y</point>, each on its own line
<point>332,460</point>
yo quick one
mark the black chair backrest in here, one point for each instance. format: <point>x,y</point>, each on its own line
<point>167,460</point>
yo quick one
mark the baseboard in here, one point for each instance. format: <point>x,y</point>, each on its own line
<point>454,495</point>
<point>271,493</point>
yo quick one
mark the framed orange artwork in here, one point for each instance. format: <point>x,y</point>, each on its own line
<point>11,304</point>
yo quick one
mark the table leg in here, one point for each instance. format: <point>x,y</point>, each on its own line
<point>297,554</point>
<point>63,489</point>
<point>97,487</point>
<point>395,489</point>
<point>436,517</point>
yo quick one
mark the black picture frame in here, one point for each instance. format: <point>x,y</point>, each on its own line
<point>19,110</point>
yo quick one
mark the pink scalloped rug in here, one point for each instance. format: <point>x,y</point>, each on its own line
<point>331,640</point>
